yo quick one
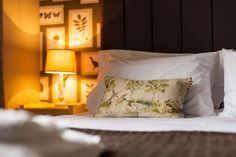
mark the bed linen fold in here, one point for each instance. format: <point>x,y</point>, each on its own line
<point>203,124</point>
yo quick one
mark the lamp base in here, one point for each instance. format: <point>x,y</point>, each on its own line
<point>61,88</point>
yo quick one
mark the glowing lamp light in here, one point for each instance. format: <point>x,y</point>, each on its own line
<point>60,62</point>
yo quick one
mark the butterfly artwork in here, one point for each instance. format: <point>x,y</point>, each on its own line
<point>50,15</point>
<point>45,15</point>
<point>89,88</point>
<point>56,14</point>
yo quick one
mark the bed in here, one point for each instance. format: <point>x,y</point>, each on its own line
<point>180,26</point>
<point>166,26</point>
<point>199,136</point>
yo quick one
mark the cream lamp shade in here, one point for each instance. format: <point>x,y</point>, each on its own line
<point>60,61</point>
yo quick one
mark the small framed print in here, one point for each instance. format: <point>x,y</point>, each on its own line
<point>88,1</point>
<point>44,88</point>
<point>98,35</point>
<point>70,88</point>
<point>87,85</point>
<point>55,38</point>
<point>51,15</point>
<point>41,51</point>
<point>89,63</point>
<point>61,0</point>
<point>81,28</point>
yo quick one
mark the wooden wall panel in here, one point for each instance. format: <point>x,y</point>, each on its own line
<point>187,26</point>
<point>224,12</point>
<point>1,58</point>
<point>113,24</point>
<point>167,26</point>
<point>20,52</point>
<point>138,23</point>
<point>197,25</point>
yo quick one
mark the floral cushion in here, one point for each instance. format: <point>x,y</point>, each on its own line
<point>143,98</point>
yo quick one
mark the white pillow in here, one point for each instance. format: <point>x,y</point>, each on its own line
<point>200,67</point>
<point>116,54</point>
<point>217,85</point>
<point>229,61</point>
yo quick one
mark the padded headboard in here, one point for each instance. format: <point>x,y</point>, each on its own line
<point>187,26</point>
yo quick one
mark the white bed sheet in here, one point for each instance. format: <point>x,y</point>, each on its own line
<point>204,124</point>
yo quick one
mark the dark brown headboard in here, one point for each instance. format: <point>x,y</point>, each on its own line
<point>187,26</point>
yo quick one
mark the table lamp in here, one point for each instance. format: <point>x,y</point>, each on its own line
<point>60,62</point>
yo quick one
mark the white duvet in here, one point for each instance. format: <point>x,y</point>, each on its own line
<point>204,124</point>
<point>22,135</point>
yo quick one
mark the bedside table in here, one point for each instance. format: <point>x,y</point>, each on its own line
<point>44,108</point>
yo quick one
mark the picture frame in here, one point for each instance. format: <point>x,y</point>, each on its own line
<point>89,63</point>
<point>41,51</point>
<point>70,88</point>
<point>51,15</point>
<point>98,34</point>
<point>81,28</point>
<point>44,88</point>
<point>87,85</point>
<point>55,38</point>
<point>88,1</point>
<point>61,0</point>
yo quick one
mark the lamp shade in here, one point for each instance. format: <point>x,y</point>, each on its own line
<point>60,61</point>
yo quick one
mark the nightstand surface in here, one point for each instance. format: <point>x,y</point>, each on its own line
<point>53,109</point>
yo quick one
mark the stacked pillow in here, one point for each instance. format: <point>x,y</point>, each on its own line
<point>229,62</point>
<point>123,55</point>
<point>149,66</point>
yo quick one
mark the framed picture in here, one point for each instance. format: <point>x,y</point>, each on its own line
<point>70,88</point>
<point>81,28</point>
<point>61,0</point>
<point>51,15</point>
<point>98,35</point>
<point>44,88</point>
<point>88,1</point>
<point>87,85</point>
<point>89,63</point>
<point>55,38</point>
<point>41,51</point>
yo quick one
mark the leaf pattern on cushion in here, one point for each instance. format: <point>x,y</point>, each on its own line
<point>133,85</point>
<point>155,86</point>
<point>143,98</point>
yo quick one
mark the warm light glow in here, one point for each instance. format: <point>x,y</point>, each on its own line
<point>21,14</point>
<point>60,61</point>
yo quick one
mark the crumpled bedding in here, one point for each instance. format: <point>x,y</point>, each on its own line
<point>22,135</point>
